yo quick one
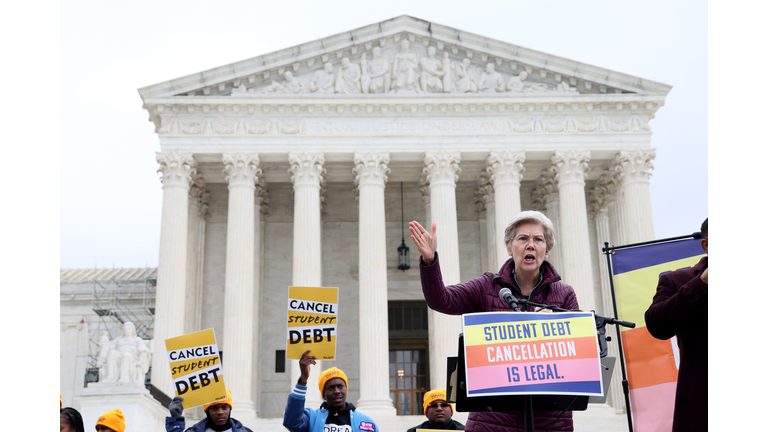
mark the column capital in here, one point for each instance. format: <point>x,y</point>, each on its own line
<point>570,166</point>
<point>634,165</point>
<point>611,181</point>
<point>506,167</point>
<point>598,199</point>
<point>480,211</point>
<point>424,188</point>
<point>485,187</point>
<point>199,196</point>
<point>371,169</point>
<point>442,167</point>
<point>241,169</point>
<point>306,169</point>
<point>262,196</point>
<point>177,168</point>
<point>544,191</point>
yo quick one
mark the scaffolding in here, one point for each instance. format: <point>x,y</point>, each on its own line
<point>119,296</point>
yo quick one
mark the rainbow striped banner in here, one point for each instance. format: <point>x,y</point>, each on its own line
<point>651,363</point>
<point>520,353</point>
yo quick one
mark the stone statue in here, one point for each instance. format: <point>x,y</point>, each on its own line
<point>404,65</point>
<point>564,87</point>
<point>517,84</point>
<point>462,82</point>
<point>125,359</point>
<point>242,90</point>
<point>323,81</point>
<point>365,79</point>
<point>291,85</point>
<point>491,81</point>
<point>447,74</point>
<point>348,78</point>
<point>378,73</point>
<point>432,73</point>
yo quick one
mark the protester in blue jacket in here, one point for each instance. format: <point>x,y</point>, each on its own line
<point>334,411</point>
<point>216,417</point>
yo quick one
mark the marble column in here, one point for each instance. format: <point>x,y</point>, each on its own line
<point>441,171</point>
<point>424,188</point>
<point>598,198</point>
<point>260,210</point>
<point>482,226</point>
<point>198,212</point>
<point>546,187</point>
<point>177,170</point>
<point>506,170</point>
<point>307,177</point>
<point>242,172</point>
<point>570,170</point>
<point>491,239</point>
<point>617,219</point>
<point>370,178</point>
<point>634,169</point>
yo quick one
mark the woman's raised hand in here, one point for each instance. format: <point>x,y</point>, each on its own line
<point>425,242</point>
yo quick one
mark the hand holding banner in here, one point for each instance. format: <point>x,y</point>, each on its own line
<point>196,368</point>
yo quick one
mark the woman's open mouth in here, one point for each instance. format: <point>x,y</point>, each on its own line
<point>529,258</point>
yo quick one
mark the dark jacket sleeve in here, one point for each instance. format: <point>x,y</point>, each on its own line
<point>452,300</point>
<point>674,302</point>
<point>174,424</point>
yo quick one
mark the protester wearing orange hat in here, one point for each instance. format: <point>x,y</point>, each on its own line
<point>335,412</point>
<point>112,421</point>
<point>217,417</point>
<point>438,412</point>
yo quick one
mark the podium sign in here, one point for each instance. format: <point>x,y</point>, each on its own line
<point>527,353</point>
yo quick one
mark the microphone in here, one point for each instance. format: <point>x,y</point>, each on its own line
<point>506,295</point>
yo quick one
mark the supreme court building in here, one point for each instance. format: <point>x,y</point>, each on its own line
<point>286,170</point>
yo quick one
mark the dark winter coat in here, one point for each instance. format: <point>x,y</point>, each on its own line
<point>680,309</point>
<point>177,424</point>
<point>453,425</point>
<point>482,295</point>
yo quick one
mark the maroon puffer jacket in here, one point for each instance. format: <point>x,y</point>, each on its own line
<point>482,295</point>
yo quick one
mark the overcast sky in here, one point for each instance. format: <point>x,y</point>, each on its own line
<point>110,193</point>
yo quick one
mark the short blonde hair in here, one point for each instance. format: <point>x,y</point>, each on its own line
<point>531,216</point>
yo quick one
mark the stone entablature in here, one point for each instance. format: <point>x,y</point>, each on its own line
<point>297,115</point>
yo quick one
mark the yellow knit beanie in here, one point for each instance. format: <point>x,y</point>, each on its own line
<point>114,420</point>
<point>433,396</point>
<point>329,374</point>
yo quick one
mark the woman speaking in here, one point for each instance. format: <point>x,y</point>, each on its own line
<point>529,238</point>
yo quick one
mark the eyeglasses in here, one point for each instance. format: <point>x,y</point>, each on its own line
<point>439,404</point>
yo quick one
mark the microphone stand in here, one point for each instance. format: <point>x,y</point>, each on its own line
<point>600,322</point>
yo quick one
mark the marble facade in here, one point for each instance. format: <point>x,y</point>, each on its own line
<point>283,170</point>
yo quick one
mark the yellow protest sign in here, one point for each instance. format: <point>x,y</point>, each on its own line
<point>196,368</point>
<point>313,314</point>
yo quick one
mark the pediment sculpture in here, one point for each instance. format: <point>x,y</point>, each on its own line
<point>404,72</point>
<point>125,359</point>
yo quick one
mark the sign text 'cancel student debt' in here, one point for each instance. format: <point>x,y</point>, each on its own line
<point>196,368</point>
<point>313,314</point>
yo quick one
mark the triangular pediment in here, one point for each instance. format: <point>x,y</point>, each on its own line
<point>403,55</point>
